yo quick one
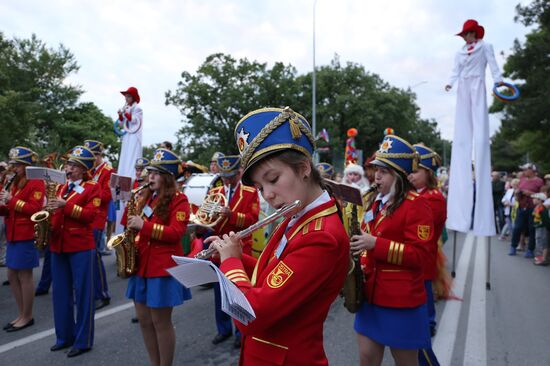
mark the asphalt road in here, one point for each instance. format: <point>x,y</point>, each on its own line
<point>508,325</point>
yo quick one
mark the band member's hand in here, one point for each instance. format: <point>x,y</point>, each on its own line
<point>128,116</point>
<point>229,247</point>
<point>362,242</point>
<point>135,223</point>
<point>56,203</point>
<point>5,196</point>
<point>447,87</point>
<point>225,212</point>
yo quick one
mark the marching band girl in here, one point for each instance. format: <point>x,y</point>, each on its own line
<point>303,267</point>
<point>73,252</point>
<point>18,204</point>
<point>161,223</point>
<point>425,182</point>
<point>396,230</point>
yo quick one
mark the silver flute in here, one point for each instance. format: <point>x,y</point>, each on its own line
<point>286,211</point>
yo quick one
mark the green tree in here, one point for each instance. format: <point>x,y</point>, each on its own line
<point>39,108</point>
<point>223,90</point>
<point>349,96</point>
<point>525,131</point>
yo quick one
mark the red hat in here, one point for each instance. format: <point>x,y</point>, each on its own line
<point>472,25</point>
<point>352,132</point>
<point>133,92</point>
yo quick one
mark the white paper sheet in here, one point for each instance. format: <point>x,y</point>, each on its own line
<point>47,174</point>
<point>192,272</point>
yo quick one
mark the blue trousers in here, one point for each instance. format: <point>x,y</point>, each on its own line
<point>101,291</point>
<point>46,277</point>
<point>224,323</point>
<point>524,223</point>
<point>73,284</point>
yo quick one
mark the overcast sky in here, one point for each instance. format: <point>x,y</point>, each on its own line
<point>148,44</point>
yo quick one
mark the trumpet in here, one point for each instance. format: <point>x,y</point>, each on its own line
<point>286,211</point>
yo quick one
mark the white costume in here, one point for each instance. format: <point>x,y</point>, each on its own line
<point>131,147</point>
<point>472,126</point>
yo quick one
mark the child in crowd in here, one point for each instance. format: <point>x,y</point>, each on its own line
<point>541,222</point>
<point>508,202</point>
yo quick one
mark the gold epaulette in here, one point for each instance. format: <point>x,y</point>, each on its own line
<point>249,189</point>
<point>412,195</point>
<point>315,225</point>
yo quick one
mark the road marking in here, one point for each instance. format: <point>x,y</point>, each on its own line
<point>445,338</point>
<point>475,351</point>
<point>46,333</point>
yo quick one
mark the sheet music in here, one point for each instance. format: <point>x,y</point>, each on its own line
<point>47,174</point>
<point>192,272</point>
<point>121,187</point>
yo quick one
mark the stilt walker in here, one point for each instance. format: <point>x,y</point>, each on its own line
<point>471,128</point>
<point>471,131</point>
<point>129,127</point>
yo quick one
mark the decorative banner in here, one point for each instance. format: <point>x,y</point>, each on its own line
<point>351,151</point>
<point>323,135</point>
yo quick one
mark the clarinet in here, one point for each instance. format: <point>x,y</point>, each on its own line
<point>8,185</point>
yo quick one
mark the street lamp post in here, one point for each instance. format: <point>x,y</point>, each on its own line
<point>313,88</point>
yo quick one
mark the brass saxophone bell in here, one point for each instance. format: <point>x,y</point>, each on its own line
<point>40,216</point>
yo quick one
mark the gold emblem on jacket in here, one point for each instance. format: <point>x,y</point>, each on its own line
<point>279,275</point>
<point>423,232</point>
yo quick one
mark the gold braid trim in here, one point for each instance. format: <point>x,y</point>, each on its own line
<point>295,127</point>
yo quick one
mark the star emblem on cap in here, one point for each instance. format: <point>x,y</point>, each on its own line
<point>242,140</point>
<point>87,144</point>
<point>14,153</point>
<point>159,155</point>
<point>386,146</point>
<point>226,163</point>
<point>77,152</point>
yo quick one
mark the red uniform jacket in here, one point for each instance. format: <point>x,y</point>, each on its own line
<point>439,212</point>
<point>245,209</point>
<point>394,268</point>
<point>291,295</point>
<point>18,211</point>
<point>72,229</point>
<point>102,176</point>
<point>159,240</point>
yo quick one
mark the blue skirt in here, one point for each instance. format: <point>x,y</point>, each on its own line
<point>402,328</point>
<point>21,255</point>
<point>157,292</point>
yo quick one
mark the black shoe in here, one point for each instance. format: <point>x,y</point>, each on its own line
<point>77,352</point>
<point>237,343</point>
<point>15,329</point>
<point>135,320</point>
<point>58,347</point>
<point>6,283</point>
<point>219,338</point>
<point>40,292</point>
<point>8,326</point>
<point>100,304</point>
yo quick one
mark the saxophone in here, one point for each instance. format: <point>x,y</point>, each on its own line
<point>353,285</point>
<point>124,243</point>
<point>42,219</point>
